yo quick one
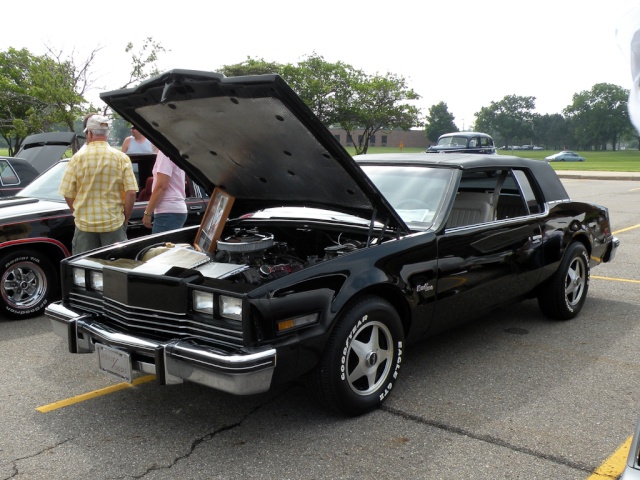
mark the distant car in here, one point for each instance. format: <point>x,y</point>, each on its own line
<point>36,154</point>
<point>463,142</point>
<point>36,228</point>
<point>565,156</point>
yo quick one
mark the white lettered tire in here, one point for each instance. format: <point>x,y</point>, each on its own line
<point>27,280</point>
<point>361,362</point>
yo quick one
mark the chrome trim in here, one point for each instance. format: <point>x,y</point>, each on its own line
<point>178,360</point>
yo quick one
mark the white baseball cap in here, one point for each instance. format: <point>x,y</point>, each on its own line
<point>97,122</point>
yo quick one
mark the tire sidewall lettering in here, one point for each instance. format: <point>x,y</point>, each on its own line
<point>15,260</point>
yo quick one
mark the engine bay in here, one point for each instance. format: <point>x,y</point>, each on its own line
<point>251,256</point>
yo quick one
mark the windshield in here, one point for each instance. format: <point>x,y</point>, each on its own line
<point>416,193</point>
<point>453,141</point>
<point>45,186</point>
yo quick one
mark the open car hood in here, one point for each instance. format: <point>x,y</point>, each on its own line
<point>42,150</point>
<point>253,137</point>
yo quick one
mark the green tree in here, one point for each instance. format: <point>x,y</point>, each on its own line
<point>143,62</point>
<point>375,103</point>
<point>599,116</point>
<point>40,93</point>
<point>251,66</point>
<point>343,96</point>
<point>438,121</point>
<point>36,94</point>
<point>552,131</point>
<point>319,83</point>
<point>510,119</point>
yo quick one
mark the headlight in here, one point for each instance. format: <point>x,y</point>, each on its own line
<point>231,307</point>
<point>79,278</point>
<point>95,280</point>
<point>203,302</point>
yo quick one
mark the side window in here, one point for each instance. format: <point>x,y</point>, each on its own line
<point>489,195</point>
<point>473,203</point>
<point>7,175</point>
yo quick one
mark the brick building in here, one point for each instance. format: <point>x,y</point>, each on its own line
<point>386,138</point>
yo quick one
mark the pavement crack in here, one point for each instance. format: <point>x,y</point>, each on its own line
<point>490,439</point>
<point>14,464</point>
<point>205,438</point>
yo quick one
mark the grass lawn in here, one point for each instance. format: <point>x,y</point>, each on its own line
<point>608,161</point>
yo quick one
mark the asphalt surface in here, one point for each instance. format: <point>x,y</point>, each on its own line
<point>510,396</point>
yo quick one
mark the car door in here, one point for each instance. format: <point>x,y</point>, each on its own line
<point>486,260</point>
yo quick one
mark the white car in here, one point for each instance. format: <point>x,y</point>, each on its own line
<point>565,156</point>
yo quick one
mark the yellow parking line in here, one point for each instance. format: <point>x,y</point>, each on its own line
<point>614,465</point>
<point>613,279</point>
<point>626,229</point>
<point>94,394</point>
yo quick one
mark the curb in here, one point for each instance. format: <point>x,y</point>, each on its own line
<point>633,176</point>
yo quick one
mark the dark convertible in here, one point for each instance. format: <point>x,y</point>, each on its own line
<point>311,262</point>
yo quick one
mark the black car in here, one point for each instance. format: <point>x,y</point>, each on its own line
<point>37,153</point>
<point>463,142</point>
<point>36,229</point>
<point>310,261</point>
<point>15,174</point>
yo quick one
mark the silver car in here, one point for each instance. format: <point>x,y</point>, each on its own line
<point>565,156</point>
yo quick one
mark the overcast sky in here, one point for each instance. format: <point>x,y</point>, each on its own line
<point>466,53</point>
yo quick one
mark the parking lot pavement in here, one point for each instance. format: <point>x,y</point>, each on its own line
<point>513,395</point>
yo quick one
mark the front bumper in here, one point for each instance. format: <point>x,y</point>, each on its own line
<point>615,244</point>
<point>172,362</point>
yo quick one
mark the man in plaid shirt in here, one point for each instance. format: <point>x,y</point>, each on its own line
<point>100,188</point>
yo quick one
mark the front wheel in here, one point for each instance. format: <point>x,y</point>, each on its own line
<point>27,281</point>
<point>564,294</point>
<point>361,362</point>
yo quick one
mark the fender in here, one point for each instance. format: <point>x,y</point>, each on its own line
<point>35,240</point>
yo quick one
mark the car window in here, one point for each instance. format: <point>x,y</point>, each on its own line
<point>7,175</point>
<point>491,195</point>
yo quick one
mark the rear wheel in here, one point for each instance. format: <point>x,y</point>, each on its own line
<point>27,280</point>
<point>564,294</point>
<point>360,364</point>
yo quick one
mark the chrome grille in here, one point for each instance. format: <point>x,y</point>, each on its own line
<point>158,324</point>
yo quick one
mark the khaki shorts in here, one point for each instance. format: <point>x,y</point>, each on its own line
<point>84,241</point>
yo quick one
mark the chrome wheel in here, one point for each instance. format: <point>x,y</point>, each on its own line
<point>24,285</point>
<point>575,281</point>
<point>369,358</point>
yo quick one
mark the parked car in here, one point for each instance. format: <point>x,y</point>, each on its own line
<point>311,261</point>
<point>36,229</point>
<point>15,174</point>
<point>463,142</point>
<point>565,156</point>
<point>36,153</point>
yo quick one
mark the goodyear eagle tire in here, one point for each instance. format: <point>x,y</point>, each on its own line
<point>564,294</point>
<point>360,365</point>
<point>27,281</point>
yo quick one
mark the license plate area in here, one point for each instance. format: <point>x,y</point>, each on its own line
<point>114,362</point>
